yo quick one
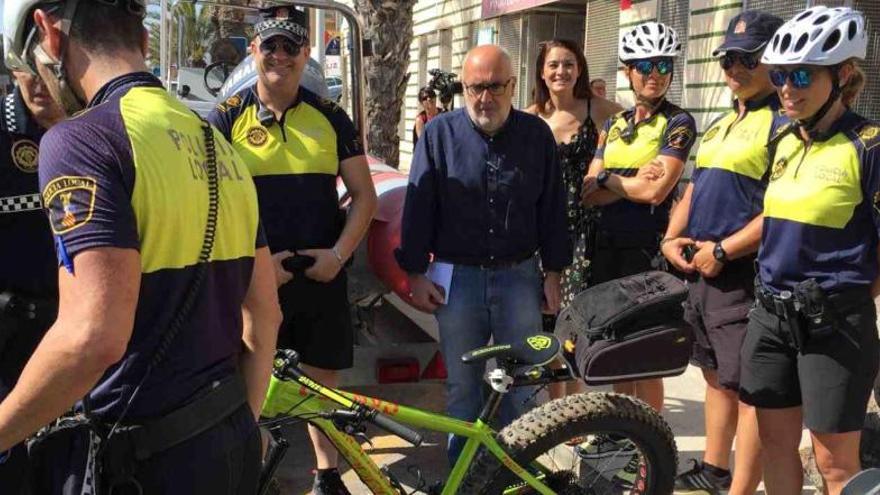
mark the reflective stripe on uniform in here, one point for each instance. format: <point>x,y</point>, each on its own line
<point>17,204</point>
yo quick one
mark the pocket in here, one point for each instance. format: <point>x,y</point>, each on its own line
<point>719,317</point>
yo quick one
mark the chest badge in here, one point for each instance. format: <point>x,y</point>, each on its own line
<point>257,136</point>
<point>710,134</point>
<point>778,169</point>
<point>25,154</point>
<point>614,135</point>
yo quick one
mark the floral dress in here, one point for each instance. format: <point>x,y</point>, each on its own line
<point>574,159</point>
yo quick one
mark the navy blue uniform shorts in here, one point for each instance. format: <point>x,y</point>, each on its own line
<point>832,379</point>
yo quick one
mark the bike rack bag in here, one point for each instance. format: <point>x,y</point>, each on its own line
<point>630,328</point>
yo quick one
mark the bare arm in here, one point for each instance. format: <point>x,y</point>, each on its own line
<point>640,189</point>
<point>678,219</point>
<point>261,317</point>
<point>95,322</point>
<point>746,240</point>
<point>420,126</point>
<point>592,194</point>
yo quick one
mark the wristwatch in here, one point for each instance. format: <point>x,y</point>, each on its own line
<point>719,253</point>
<point>602,178</point>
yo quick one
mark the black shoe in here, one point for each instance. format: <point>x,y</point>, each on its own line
<point>701,480</point>
<point>328,482</point>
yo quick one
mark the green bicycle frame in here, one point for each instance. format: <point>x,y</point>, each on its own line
<point>308,399</point>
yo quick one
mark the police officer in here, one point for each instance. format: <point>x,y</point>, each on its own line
<point>635,209</point>
<point>28,282</point>
<point>296,144</point>
<point>719,219</point>
<point>811,352</point>
<point>169,337</point>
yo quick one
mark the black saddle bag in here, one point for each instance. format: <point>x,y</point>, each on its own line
<point>627,329</point>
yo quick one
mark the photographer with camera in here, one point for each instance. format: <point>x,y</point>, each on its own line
<point>445,84</point>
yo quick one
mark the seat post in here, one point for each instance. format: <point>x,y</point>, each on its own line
<point>491,407</point>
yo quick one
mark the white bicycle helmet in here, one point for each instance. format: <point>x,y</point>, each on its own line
<point>819,36</point>
<point>17,31</point>
<point>648,40</point>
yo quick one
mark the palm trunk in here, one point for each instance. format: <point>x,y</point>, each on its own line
<point>389,24</point>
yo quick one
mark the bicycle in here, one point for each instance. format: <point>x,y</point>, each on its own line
<point>536,453</point>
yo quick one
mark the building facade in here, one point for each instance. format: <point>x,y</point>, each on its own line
<point>444,30</point>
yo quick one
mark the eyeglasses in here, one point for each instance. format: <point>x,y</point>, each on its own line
<point>747,60</point>
<point>270,45</point>
<point>800,78</point>
<point>495,88</point>
<point>426,98</point>
<point>645,67</point>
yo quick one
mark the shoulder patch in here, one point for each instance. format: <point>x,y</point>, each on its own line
<point>70,202</point>
<point>25,155</point>
<point>233,101</point>
<point>869,135</point>
<point>680,137</point>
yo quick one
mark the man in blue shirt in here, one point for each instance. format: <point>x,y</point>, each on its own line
<point>485,195</point>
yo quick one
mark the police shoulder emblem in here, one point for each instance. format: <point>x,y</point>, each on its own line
<point>25,154</point>
<point>869,135</point>
<point>257,136</point>
<point>778,169</point>
<point>710,134</point>
<point>70,201</point>
<point>539,342</point>
<point>680,137</point>
<point>233,101</point>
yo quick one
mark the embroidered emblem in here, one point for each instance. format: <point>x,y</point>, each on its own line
<point>614,135</point>
<point>778,169</point>
<point>870,135</point>
<point>680,138</point>
<point>710,134</point>
<point>70,201</point>
<point>539,342</point>
<point>257,136</point>
<point>740,27</point>
<point>25,155</point>
<point>233,101</point>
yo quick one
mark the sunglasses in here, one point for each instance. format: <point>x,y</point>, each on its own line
<point>426,98</point>
<point>645,67</point>
<point>747,60</point>
<point>799,78</point>
<point>270,45</point>
<point>495,88</point>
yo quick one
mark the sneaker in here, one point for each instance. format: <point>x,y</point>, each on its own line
<point>328,482</point>
<point>602,446</point>
<point>627,476</point>
<point>700,480</point>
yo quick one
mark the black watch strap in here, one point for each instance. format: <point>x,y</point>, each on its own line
<point>719,253</point>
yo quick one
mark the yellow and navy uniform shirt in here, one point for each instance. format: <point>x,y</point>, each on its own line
<point>294,162</point>
<point>822,208</point>
<point>625,147</point>
<point>732,169</point>
<point>28,267</point>
<point>129,172</point>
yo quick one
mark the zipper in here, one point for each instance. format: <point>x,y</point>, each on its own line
<point>803,157</point>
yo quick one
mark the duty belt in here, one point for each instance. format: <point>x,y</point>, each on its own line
<point>18,204</point>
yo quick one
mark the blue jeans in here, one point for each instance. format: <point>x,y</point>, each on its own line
<point>503,304</point>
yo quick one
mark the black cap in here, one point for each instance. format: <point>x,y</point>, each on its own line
<point>748,32</point>
<point>289,22</point>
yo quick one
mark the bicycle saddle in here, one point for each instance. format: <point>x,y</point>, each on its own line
<point>534,350</point>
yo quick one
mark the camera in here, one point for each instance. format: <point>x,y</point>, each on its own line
<point>446,86</point>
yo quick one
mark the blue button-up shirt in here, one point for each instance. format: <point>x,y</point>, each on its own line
<point>475,199</point>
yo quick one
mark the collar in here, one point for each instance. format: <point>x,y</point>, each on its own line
<point>846,122</point>
<point>264,110</point>
<point>17,118</point>
<point>501,131</point>
<point>125,81</point>
<point>629,114</point>
<point>771,100</point>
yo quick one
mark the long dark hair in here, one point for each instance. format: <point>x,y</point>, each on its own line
<point>541,94</point>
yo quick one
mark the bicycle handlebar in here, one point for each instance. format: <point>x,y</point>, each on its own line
<point>395,428</point>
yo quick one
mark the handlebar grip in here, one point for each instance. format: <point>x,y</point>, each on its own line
<point>396,428</point>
